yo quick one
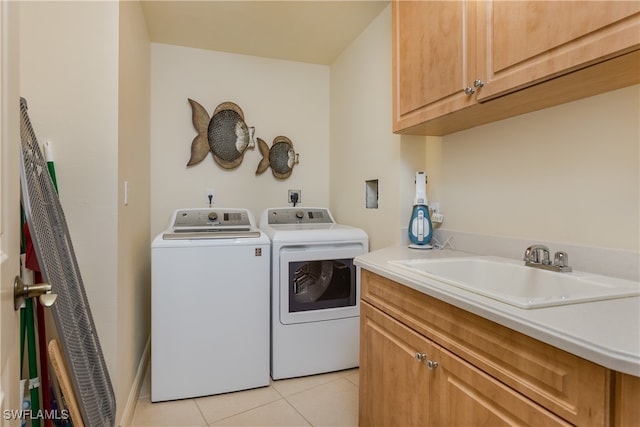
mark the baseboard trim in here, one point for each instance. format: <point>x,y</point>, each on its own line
<point>132,400</point>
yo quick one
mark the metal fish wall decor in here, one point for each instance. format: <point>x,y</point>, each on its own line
<point>281,157</point>
<point>225,134</point>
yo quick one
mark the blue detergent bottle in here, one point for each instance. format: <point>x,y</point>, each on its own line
<point>420,227</point>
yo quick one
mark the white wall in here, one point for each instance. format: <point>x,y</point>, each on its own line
<point>363,146</point>
<point>69,76</point>
<point>277,98</point>
<point>568,174</point>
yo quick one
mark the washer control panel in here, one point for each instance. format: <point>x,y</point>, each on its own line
<point>299,216</point>
<point>206,219</point>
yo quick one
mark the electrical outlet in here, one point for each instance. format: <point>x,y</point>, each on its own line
<point>211,194</point>
<point>294,196</point>
<point>436,216</point>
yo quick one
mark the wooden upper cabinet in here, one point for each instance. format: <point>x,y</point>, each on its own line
<point>434,59</point>
<point>531,41</point>
<point>512,57</point>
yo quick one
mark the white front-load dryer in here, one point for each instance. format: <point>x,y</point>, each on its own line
<point>209,305</point>
<point>315,292</point>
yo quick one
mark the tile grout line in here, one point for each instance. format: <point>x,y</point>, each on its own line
<point>206,423</point>
<point>298,411</point>
<point>244,410</point>
<point>344,377</point>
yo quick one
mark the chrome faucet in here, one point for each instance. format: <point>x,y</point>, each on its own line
<point>537,256</point>
<point>533,255</point>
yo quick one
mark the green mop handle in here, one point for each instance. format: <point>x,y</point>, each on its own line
<point>48,155</point>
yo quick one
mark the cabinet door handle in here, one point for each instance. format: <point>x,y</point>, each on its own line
<point>432,364</point>
<point>478,83</point>
<point>469,91</point>
<point>420,356</point>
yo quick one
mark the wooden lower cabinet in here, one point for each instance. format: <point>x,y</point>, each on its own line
<point>408,380</point>
<point>627,401</point>
<point>394,385</point>
<point>424,362</point>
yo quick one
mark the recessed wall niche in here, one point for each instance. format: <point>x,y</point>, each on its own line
<point>371,194</point>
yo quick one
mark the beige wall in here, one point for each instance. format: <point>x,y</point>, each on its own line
<point>363,146</point>
<point>84,69</point>
<point>277,98</point>
<point>565,174</point>
<point>69,76</point>
<point>134,217</point>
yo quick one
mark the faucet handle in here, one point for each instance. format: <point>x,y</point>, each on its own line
<point>530,255</point>
<point>561,259</point>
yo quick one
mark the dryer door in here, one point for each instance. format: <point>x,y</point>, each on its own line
<point>318,283</point>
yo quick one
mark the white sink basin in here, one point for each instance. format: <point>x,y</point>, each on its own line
<point>511,282</point>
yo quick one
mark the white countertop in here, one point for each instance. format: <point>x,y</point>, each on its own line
<point>604,332</point>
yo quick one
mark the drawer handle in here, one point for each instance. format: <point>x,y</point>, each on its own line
<point>421,356</point>
<point>432,364</point>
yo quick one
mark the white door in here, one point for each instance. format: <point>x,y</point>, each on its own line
<point>9,212</point>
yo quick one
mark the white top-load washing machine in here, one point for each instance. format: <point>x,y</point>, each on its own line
<point>209,304</point>
<point>315,296</point>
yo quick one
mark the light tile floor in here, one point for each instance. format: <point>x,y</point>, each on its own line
<point>318,400</point>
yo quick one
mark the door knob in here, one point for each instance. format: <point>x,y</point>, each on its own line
<point>469,90</point>
<point>22,292</point>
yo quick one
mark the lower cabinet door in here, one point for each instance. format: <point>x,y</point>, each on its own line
<point>394,381</point>
<point>463,395</point>
<point>408,380</point>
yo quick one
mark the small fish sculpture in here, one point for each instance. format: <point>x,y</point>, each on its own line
<point>281,157</point>
<point>226,135</point>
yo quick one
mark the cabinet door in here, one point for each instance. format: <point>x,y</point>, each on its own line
<point>434,59</point>
<point>467,396</point>
<point>394,384</point>
<point>532,41</point>
<point>397,389</point>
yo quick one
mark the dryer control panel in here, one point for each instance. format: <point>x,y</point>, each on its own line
<point>299,216</point>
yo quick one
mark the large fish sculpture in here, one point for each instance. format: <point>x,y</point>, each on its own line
<point>281,157</point>
<point>225,134</point>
